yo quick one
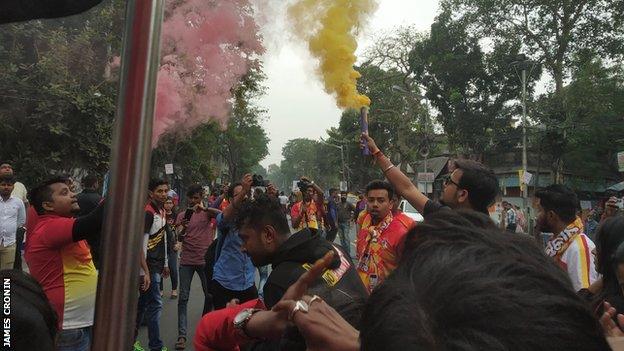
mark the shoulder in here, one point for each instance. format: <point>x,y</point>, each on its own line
<point>580,246</point>
<point>53,225</point>
<point>403,221</point>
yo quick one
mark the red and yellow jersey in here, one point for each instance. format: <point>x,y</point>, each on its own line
<point>379,246</point>
<point>224,204</point>
<point>311,215</point>
<point>64,269</point>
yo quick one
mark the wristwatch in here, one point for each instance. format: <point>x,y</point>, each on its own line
<point>242,318</point>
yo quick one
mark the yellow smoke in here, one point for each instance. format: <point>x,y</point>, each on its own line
<point>330,27</point>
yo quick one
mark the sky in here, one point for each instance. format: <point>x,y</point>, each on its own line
<point>295,101</point>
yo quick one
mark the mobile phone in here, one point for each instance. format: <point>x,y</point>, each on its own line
<point>188,214</point>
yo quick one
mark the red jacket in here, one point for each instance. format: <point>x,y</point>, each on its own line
<point>216,332</point>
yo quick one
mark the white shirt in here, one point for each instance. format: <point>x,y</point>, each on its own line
<point>283,199</point>
<point>19,191</point>
<point>12,216</point>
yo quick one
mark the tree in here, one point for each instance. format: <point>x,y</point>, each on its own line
<point>591,134</point>
<point>55,107</point>
<point>553,31</point>
<point>310,158</point>
<point>199,154</point>
<point>472,90</point>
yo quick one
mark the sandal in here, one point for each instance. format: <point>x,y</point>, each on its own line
<point>174,295</point>
<point>181,343</point>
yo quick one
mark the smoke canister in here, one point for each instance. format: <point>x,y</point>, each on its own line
<point>364,128</point>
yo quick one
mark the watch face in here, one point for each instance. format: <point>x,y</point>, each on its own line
<point>242,316</point>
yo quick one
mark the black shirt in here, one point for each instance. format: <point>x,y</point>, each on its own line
<point>432,207</point>
<point>88,200</point>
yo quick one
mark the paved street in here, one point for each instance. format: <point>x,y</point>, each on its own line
<point>169,320</point>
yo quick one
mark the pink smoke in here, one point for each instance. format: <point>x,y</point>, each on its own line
<point>207,47</point>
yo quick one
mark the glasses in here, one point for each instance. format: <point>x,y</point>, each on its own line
<point>448,180</point>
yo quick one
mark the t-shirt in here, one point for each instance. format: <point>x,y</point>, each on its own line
<point>572,251</point>
<point>345,210</point>
<point>233,268</point>
<point>433,207</point>
<point>64,269</point>
<point>20,192</point>
<point>379,246</point>
<point>310,216</point>
<point>155,226</point>
<point>198,237</point>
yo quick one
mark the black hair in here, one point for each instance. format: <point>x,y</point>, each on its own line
<point>462,287</point>
<point>381,185</point>
<point>194,189</point>
<point>559,199</point>
<point>332,190</point>
<point>89,181</point>
<point>7,179</point>
<point>609,254</point>
<point>34,322</point>
<point>480,182</point>
<point>230,191</point>
<point>155,183</point>
<point>43,192</point>
<point>261,211</point>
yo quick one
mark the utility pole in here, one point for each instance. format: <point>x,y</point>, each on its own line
<point>342,160</point>
<point>524,64</point>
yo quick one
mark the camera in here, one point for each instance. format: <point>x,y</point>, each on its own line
<point>257,180</point>
<point>303,185</point>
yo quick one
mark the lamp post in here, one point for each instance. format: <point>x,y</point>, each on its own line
<point>522,65</point>
<point>342,159</point>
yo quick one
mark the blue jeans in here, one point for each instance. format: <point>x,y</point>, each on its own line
<point>343,232</point>
<point>173,268</point>
<point>74,339</point>
<point>186,277</point>
<point>150,307</point>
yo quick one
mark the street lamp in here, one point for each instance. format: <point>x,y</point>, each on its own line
<point>523,64</point>
<point>342,158</point>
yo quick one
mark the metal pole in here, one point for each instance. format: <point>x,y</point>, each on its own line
<point>117,293</point>
<point>525,190</point>
<point>344,171</point>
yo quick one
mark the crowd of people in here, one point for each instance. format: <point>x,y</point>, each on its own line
<point>457,280</point>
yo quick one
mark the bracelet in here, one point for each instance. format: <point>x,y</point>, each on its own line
<point>389,168</point>
<point>377,153</point>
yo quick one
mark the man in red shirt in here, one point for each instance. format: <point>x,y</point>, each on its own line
<point>308,213</point>
<point>196,235</point>
<point>381,235</point>
<point>59,258</point>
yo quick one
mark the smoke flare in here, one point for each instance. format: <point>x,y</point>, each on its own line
<point>207,47</point>
<point>330,27</point>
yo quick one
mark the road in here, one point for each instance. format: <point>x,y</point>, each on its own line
<point>169,319</point>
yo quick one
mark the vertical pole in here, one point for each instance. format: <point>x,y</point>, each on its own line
<point>117,293</point>
<point>344,170</point>
<point>525,190</point>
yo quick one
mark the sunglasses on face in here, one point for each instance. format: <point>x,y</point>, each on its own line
<point>448,180</point>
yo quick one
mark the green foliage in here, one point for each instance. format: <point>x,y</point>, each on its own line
<point>551,31</point>
<point>55,106</point>
<point>310,158</point>
<point>585,119</point>
<point>208,153</point>
<point>472,90</point>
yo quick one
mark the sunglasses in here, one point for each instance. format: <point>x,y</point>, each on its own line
<point>448,180</point>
